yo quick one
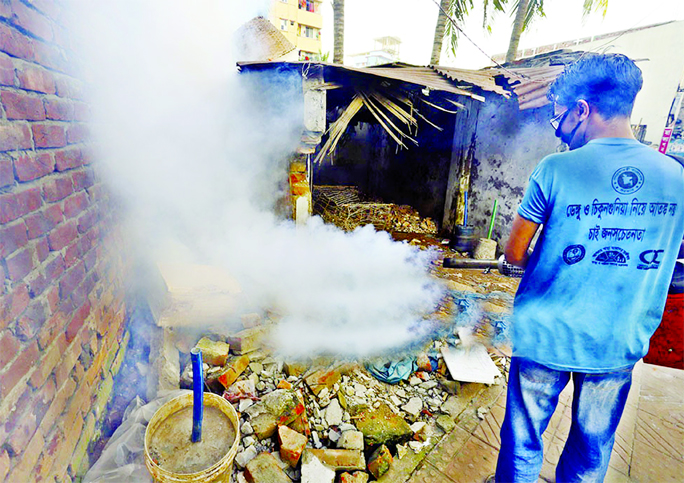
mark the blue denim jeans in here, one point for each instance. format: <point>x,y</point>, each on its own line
<point>597,405</point>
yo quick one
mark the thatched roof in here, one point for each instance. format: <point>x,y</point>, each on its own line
<point>259,40</point>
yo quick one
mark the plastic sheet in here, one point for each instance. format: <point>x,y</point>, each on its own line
<point>123,458</point>
<point>393,371</point>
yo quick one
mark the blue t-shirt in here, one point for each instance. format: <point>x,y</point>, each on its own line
<point>595,286</point>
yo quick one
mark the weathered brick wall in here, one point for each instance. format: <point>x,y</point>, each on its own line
<point>61,298</point>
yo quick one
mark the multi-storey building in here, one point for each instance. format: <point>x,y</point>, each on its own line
<point>300,21</point>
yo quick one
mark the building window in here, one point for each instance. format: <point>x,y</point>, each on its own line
<point>308,5</point>
<point>283,24</point>
<point>309,32</point>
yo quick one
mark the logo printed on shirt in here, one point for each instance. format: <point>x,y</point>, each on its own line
<point>611,256</point>
<point>574,254</point>
<point>649,259</point>
<point>627,180</point>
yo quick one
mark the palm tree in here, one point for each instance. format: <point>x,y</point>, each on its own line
<point>338,31</point>
<point>525,11</point>
<point>458,10</point>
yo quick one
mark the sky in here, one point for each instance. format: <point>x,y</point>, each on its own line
<point>413,21</point>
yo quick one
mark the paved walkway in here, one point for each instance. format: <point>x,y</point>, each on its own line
<point>649,446</point>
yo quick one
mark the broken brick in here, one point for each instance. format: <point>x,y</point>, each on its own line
<point>380,461</point>
<point>232,372</point>
<point>292,445</point>
<point>355,477</point>
<point>247,340</point>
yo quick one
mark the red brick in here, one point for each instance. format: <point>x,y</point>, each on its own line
<point>15,43</point>
<point>75,204</point>
<point>68,159</point>
<point>22,434</point>
<point>53,300</point>
<point>17,204</point>
<point>42,249</point>
<point>14,304</point>
<point>54,325</point>
<point>20,264</point>
<point>30,322</point>
<point>50,56</point>
<point>31,165</point>
<point>69,87</point>
<point>62,235</point>
<point>12,237</point>
<point>37,284</point>
<point>6,70</point>
<point>18,369</point>
<point>90,260</point>
<point>47,363</point>
<point>59,110</point>
<point>57,189</point>
<point>71,280</point>
<point>58,405</point>
<point>42,470</point>
<point>32,21</point>
<point>66,365</point>
<point>42,222</point>
<point>24,470</point>
<point>15,135</point>
<point>9,346</point>
<point>6,171</point>
<point>73,253</point>
<point>87,221</point>
<point>77,321</point>
<point>21,106</point>
<point>77,133</point>
<point>35,79</point>
<point>49,136</point>
<point>54,268</point>
<point>83,179</point>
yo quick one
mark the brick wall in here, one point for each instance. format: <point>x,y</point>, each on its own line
<point>61,293</point>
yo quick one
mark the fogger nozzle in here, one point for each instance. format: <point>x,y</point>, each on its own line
<point>501,265</point>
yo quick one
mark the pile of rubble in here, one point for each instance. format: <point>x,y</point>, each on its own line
<point>321,421</point>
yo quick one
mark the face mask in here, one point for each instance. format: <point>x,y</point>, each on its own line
<point>566,138</point>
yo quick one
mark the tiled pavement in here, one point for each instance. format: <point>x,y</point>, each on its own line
<point>649,446</point>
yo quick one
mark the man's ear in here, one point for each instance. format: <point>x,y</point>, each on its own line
<point>582,110</point>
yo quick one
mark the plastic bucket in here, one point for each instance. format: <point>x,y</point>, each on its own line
<point>219,472</point>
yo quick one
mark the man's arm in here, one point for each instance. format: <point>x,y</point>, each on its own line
<point>522,233</point>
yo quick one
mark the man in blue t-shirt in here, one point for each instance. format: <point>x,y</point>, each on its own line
<point>595,285</point>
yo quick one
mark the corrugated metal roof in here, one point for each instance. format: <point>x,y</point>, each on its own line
<point>529,84</point>
<point>532,85</point>
<point>419,76</point>
<point>484,79</point>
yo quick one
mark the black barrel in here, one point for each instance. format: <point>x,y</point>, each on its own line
<point>465,238</point>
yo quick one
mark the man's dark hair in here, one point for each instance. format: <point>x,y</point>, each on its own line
<point>610,82</point>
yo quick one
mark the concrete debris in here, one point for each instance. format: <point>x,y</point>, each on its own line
<point>333,413</point>
<point>351,440</point>
<point>214,352</point>
<point>248,340</point>
<point>265,469</point>
<point>340,459</point>
<point>314,471</point>
<point>413,407</point>
<point>245,456</point>
<point>382,426</point>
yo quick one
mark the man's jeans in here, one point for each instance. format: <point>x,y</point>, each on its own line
<point>533,391</point>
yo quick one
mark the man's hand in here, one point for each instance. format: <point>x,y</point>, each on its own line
<point>522,233</point>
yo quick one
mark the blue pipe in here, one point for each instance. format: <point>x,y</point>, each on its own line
<point>465,208</point>
<point>198,394</point>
